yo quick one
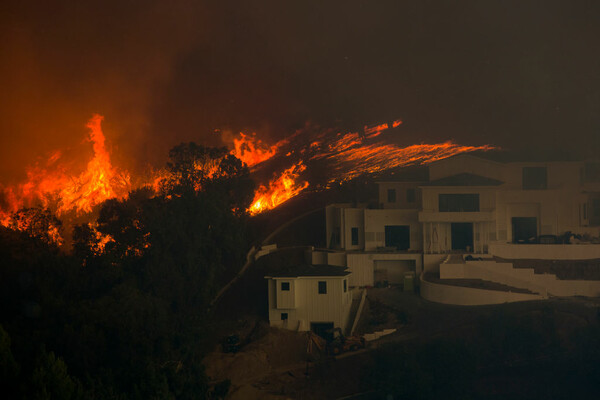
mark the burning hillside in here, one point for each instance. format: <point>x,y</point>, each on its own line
<point>282,169</point>
<point>337,157</point>
<point>56,186</point>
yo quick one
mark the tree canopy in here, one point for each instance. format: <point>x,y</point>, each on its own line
<point>124,315</point>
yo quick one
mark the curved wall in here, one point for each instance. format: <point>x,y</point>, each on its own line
<point>465,296</point>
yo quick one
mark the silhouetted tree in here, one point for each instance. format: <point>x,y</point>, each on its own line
<point>39,223</point>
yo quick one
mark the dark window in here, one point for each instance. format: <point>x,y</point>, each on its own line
<point>397,236</point>
<point>391,195</point>
<point>461,236</point>
<point>285,286</point>
<point>410,195</point>
<point>535,178</point>
<point>345,286</point>
<point>322,287</point>
<point>354,236</point>
<point>459,202</point>
<point>524,229</point>
<point>284,316</point>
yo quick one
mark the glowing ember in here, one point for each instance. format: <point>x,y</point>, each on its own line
<point>280,189</point>
<point>351,158</point>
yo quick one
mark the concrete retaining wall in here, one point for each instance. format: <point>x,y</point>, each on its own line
<point>505,273</point>
<point>464,296</point>
<point>546,251</point>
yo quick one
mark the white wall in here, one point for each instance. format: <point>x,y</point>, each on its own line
<point>401,196</point>
<point>505,273</point>
<point>285,298</point>
<point>353,218</point>
<point>464,296</point>
<point>546,251</point>
<point>431,262</point>
<point>376,220</point>
<point>310,306</point>
<point>362,265</point>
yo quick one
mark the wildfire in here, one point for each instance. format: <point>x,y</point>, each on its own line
<point>252,150</point>
<point>341,156</point>
<point>346,156</point>
<point>280,189</point>
<point>99,182</point>
<point>53,185</point>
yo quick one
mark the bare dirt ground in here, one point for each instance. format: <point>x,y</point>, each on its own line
<point>273,365</point>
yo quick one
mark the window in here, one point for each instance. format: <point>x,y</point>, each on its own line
<point>345,286</point>
<point>285,286</point>
<point>535,178</point>
<point>459,202</point>
<point>322,287</point>
<point>397,236</point>
<point>354,236</point>
<point>284,316</point>
<point>391,195</point>
<point>410,195</point>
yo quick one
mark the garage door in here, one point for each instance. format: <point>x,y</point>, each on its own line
<point>393,271</point>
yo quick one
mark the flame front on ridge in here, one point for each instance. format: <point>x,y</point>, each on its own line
<point>342,156</point>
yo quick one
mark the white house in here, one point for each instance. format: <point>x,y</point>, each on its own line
<point>469,205</point>
<point>310,297</point>
<point>378,244</point>
<point>476,205</point>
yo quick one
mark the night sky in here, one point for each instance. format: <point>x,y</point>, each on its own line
<point>517,74</point>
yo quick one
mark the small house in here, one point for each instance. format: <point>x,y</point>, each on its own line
<point>309,297</point>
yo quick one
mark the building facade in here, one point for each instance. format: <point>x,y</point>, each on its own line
<point>468,205</point>
<point>310,297</point>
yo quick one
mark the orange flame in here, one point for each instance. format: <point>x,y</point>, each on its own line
<point>52,185</point>
<point>347,155</point>
<point>99,182</point>
<point>253,151</point>
<point>280,190</point>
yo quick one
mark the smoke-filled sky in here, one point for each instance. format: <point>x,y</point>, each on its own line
<point>518,74</point>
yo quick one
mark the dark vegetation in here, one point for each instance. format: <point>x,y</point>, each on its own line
<point>128,322</point>
<point>132,321</point>
<point>504,356</point>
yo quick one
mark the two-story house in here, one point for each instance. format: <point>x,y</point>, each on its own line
<point>310,297</point>
<point>469,205</point>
